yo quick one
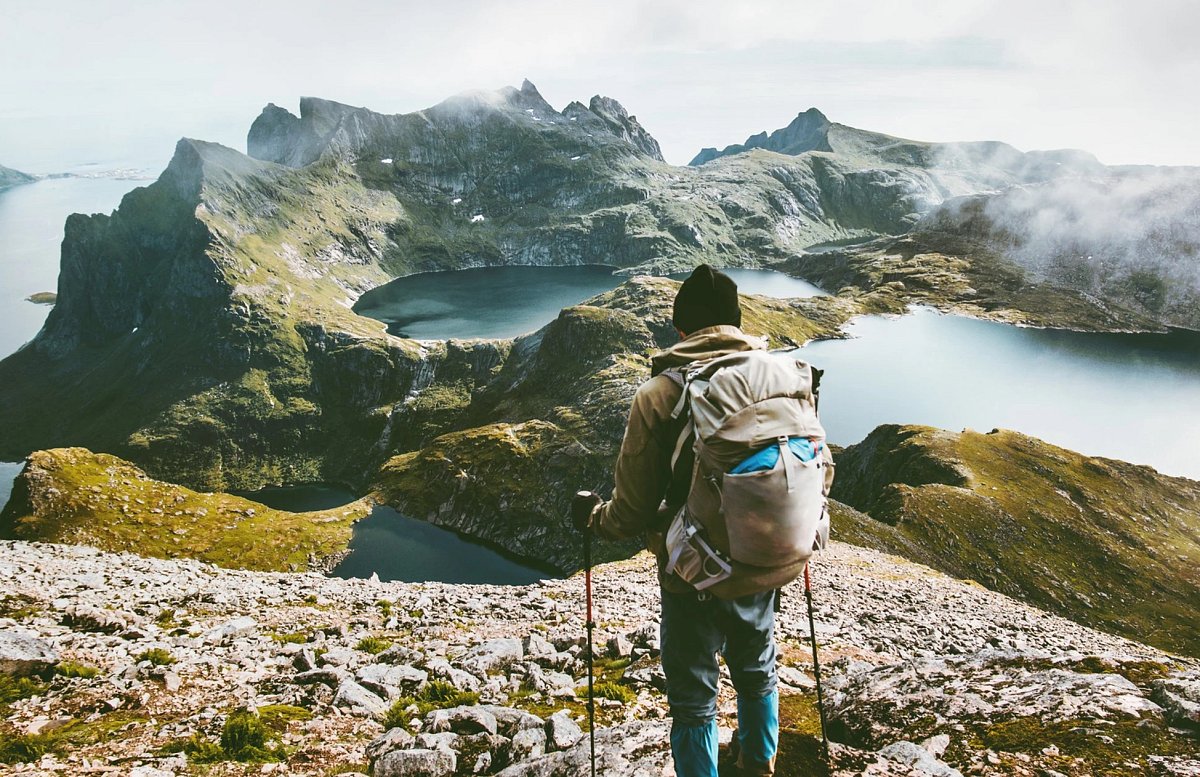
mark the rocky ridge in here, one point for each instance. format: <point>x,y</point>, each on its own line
<point>155,658</point>
<point>10,177</point>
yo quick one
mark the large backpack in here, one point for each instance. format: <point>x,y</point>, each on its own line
<point>736,534</point>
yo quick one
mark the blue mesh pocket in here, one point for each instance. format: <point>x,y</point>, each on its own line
<point>801,447</point>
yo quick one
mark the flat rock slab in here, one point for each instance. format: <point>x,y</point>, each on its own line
<point>462,720</point>
<point>416,763</point>
<point>25,654</point>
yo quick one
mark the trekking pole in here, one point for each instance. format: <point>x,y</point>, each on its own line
<point>812,628</point>
<point>591,624</point>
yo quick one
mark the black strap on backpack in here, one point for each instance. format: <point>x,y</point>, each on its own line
<point>681,471</point>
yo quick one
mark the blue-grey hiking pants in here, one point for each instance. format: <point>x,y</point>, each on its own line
<point>695,628</point>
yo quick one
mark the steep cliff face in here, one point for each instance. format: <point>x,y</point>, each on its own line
<point>1106,543</point>
<point>204,331</point>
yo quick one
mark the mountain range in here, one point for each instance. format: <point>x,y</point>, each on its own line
<point>204,340</point>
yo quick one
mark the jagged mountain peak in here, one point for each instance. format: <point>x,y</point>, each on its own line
<point>809,131</point>
<point>621,123</point>
<point>278,135</point>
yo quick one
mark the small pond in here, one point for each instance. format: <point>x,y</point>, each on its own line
<point>490,302</point>
<point>397,547</point>
<point>497,302</point>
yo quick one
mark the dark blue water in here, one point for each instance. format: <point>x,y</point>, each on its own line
<point>397,547</point>
<point>501,302</point>
<point>490,302</point>
<point>1129,397</point>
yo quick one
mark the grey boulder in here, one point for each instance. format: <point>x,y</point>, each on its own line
<point>561,731</point>
<point>357,700</point>
<point>416,763</point>
<point>462,720</point>
<point>25,654</point>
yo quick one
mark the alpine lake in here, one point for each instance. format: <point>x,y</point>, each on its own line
<point>1131,397</point>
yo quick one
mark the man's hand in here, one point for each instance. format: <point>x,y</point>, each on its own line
<point>583,507</point>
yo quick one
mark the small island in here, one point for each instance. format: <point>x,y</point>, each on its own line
<point>43,298</point>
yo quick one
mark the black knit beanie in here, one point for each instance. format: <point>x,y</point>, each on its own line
<point>707,298</point>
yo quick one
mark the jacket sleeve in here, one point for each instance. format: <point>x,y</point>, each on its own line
<point>643,468</point>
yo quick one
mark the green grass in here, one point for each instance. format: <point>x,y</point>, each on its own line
<point>19,607</point>
<point>74,669</point>
<point>436,695</point>
<point>1111,748</point>
<point>292,638</point>
<point>131,512</point>
<point>373,645</point>
<point>156,656</point>
<point>613,691</point>
<point>245,737</point>
<point>25,748</point>
<point>277,716</point>
<point>16,688</point>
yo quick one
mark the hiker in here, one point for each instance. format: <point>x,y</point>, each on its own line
<point>712,601</point>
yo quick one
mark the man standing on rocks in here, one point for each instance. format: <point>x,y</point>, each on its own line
<point>696,625</point>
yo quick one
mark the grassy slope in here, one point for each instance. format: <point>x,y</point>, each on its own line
<point>1113,545</point>
<point>75,496</point>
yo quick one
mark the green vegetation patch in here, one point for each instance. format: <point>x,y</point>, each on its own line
<point>436,695</point>
<point>373,645</point>
<point>277,716</point>
<point>17,688</point>
<point>20,607</point>
<point>75,669</point>
<point>245,737</point>
<point>156,656</point>
<point>613,691</point>
<point>26,748</point>
<point>1112,748</point>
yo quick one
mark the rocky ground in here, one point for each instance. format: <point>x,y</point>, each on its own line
<point>119,664</point>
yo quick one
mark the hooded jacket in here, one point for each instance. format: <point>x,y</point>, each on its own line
<point>643,469</point>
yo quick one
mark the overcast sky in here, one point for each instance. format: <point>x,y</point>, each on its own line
<point>117,82</point>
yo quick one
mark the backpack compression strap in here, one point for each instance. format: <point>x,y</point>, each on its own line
<point>682,457</point>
